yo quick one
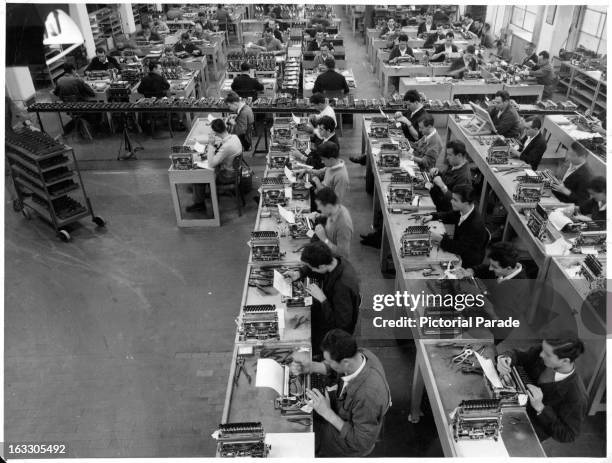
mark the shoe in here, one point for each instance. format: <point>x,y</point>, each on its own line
<point>371,243</point>
<point>358,160</point>
<point>197,207</point>
<point>256,199</point>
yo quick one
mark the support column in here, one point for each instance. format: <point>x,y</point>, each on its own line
<point>78,13</point>
<point>127,18</point>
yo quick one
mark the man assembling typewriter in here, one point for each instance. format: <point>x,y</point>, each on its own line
<point>573,186</point>
<point>400,50</point>
<point>323,54</point>
<point>557,399</point>
<point>349,415</point>
<point>337,230</point>
<point>464,64</point>
<point>533,144</point>
<point>241,122</point>
<point>245,85</point>
<point>504,116</point>
<point>445,51</point>
<point>470,237</point>
<point>337,299</point>
<point>594,208</point>
<point>429,150</point>
<point>334,175</point>
<point>102,62</point>
<point>185,47</point>
<point>457,173</point>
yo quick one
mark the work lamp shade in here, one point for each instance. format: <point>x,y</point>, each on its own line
<point>60,29</point>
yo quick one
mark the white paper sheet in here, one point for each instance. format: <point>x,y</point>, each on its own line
<point>295,118</point>
<point>558,219</point>
<point>286,214</point>
<point>489,370</point>
<point>558,248</point>
<point>270,374</point>
<point>291,445</point>
<point>210,118</point>
<point>281,284</point>
<point>199,147</point>
<point>290,175</point>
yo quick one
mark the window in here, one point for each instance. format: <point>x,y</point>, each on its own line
<point>592,34</point>
<point>524,17</point>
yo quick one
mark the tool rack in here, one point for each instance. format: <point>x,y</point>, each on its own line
<point>44,172</point>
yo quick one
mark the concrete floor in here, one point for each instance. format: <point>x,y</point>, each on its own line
<point>119,343</point>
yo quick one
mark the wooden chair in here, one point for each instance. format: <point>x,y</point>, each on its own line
<point>234,187</point>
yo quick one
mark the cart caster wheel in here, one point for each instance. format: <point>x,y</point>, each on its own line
<point>99,221</point>
<point>63,235</point>
<point>17,205</point>
<point>26,213</point>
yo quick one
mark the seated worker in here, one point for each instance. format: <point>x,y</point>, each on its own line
<point>336,301</point>
<point>545,75</point>
<point>154,84</point>
<point>319,20</point>
<point>507,284</point>
<point>222,148</point>
<point>319,40</point>
<point>502,52</point>
<point>558,404</point>
<point>410,121</point>
<point>504,116</point>
<point>147,35</point>
<point>401,49</point>
<point>184,46</point>
<point>426,26</point>
<point>272,24</point>
<point>530,59</point>
<point>573,185</point>
<point>444,181</point>
<point>268,42</point>
<point>467,22</point>
<point>593,208</point>
<point>102,62</point>
<point>245,85</point>
<point>325,132</point>
<point>242,123</point>
<point>323,54</point>
<point>349,421</point>
<point>334,174</point>
<point>318,101</point>
<point>486,38</point>
<point>465,63</point>
<point>338,229</point>
<point>70,87</point>
<point>476,27</point>
<point>429,150</point>
<point>444,51</point>
<point>330,80</point>
<point>470,237</point>
<point>160,26</point>
<point>207,25</point>
<point>533,144</point>
<point>169,59</point>
<point>200,33</point>
<point>389,29</point>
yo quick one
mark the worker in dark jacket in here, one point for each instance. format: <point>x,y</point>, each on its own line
<point>533,144</point>
<point>594,208</point>
<point>410,119</point>
<point>185,46</point>
<point>154,84</point>
<point>445,50</point>
<point>573,186</point>
<point>457,173</point>
<point>336,301</point>
<point>245,85</point>
<point>470,238</point>
<point>426,26</point>
<point>504,116</point>
<point>401,49</point>
<point>507,284</point>
<point>70,87</point>
<point>102,62</point>
<point>557,397</point>
<point>349,415</point>
<point>530,59</point>
<point>330,80</point>
<point>464,64</point>
<point>545,75</point>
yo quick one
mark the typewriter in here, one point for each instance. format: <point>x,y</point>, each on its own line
<point>538,218</point>
<point>265,246</point>
<point>568,105</point>
<point>279,155</point>
<point>420,179</point>
<point>546,104</point>
<point>416,241</point>
<point>472,75</point>
<point>513,390</point>
<point>235,440</point>
<point>182,157</point>
<point>379,127</point>
<point>282,134</point>
<point>293,398</point>
<point>529,190</point>
<point>400,192</point>
<point>119,90</point>
<point>389,156</point>
<point>590,239</point>
<point>477,419</point>
<point>301,227</point>
<point>299,190</point>
<point>592,270</point>
<point>258,323</point>
<point>299,296</point>
<point>273,191</point>
<point>499,152</point>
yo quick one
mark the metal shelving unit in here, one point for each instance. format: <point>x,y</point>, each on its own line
<point>44,172</point>
<point>584,89</point>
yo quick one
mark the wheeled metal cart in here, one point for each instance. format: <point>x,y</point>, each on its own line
<point>46,176</point>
